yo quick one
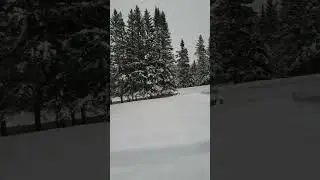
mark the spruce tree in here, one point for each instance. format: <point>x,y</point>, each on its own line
<point>151,54</point>
<point>208,60</point>
<point>203,74</point>
<point>262,20</point>
<point>184,78</point>
<point>193,73</point>
<point>140,68</point>
<point>271,17</point>
<point>130,54</point>
<point>165,61</point>
<point>134,68</point>
<point>297,35</point>
<point>117,29</point>
<point>237,45</point>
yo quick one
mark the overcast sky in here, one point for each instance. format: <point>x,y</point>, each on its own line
<point>187,19</point>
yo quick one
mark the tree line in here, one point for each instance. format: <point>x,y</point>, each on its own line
<point>142,60</point>
<point>279,40</point>
<point>54,57</point>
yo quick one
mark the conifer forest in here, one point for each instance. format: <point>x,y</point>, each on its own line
<point>143,64</point>
<point>278,39</point>
<point>54,59</point>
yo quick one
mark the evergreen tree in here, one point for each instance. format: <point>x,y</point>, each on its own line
<point>271,17</point>
<point>238,47</point>
<point>298,34</point>
<point>184,78</point>
<point>134,67</point>
<point>151,54</point>
<point>140,76</point>
<point>203,63</point>
<point>165,61</point>
<point>37,43</point>
<point>262,20</point>
<point>86,70</point>
<point>193,73</point>
<point>208,61</point>
<point>118,45</point>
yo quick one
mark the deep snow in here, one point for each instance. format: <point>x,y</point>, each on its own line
<point>167,138</point>
<point>79,153</point>
<point>180,119</point>
<point>261,132</point>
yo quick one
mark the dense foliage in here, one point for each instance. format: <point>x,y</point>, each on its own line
<point>278,40</point>
<point>143,64</point>
<point>54,57</point>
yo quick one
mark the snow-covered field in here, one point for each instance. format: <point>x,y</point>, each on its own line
<point>166,138</point>
<point>261,132</point>
<point>78,153</point>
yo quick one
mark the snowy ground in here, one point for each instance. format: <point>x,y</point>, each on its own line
<point>152,139</point>
<point>78,153</point>
<point>166,138</point>
<point>261,132</point>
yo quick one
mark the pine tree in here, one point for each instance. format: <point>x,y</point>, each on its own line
<point>208,61</point>
<point>86,68</point>
<point>298,34</point>
<point>141,77</point>
<point>151,54</point>
<point>271,17</point>
<point>134,67</point>
<point>37,45</point>
<point>262,20</point>
<point>203,63</point>
<point>165,61</point>
<point>118,45</point>
<point>237,45</point>
<point>184,78</point>
<point>193,73</point>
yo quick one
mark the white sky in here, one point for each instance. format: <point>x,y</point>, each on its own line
<point>187,19</point>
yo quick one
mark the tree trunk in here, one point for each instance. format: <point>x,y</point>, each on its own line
<point>37,112</point>
<point>121,98</point>
<point>3,128</point>
<point>83,114</point>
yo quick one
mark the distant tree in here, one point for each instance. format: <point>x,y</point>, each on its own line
<point>193,73</point>
<point>184,77</point>
<point>203,63</point>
